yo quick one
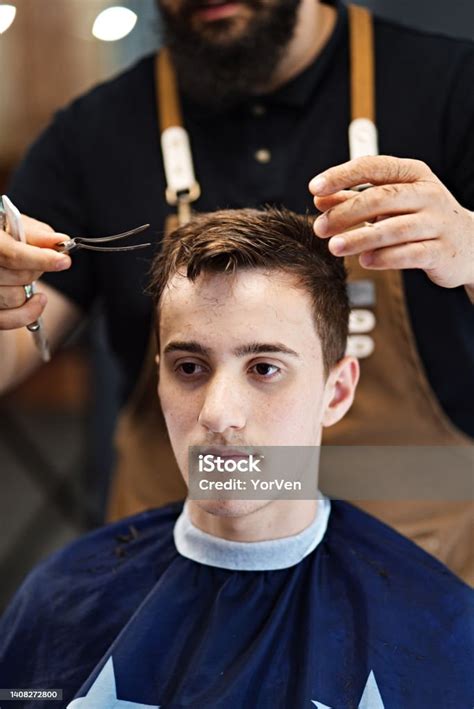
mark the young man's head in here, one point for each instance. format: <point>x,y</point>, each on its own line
<point>252,318</point>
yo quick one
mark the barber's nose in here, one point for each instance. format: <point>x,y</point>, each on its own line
<point>222,408</point>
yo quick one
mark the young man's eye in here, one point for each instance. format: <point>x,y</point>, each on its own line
<point>266,370</point>
<point>189,369</point>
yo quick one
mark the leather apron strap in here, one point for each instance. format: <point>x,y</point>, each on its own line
<point>361,33</point>
<point>168,105</point>
<point>182,188</point>
<point>362,129</point>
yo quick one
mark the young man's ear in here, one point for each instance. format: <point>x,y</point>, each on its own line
<point>340,389</point>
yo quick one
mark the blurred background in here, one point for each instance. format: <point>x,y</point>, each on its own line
<point>55,434</point>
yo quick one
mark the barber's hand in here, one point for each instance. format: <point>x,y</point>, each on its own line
<point>20,264</point>
<point>415,222</point>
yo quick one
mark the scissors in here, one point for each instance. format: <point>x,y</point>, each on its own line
<point>10,217</point>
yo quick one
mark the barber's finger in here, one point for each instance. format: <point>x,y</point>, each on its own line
<point>389,232</point>
<point>35,225</point>
<point>420,254</point>
<point>370,205</point>
<point>41,234</point>
<point>8,277</point>
<point>376,170</point>
<point>18,256</point>
<point>45,240</point>
<point>332,200</point>
<point>12,297</point>
<point>26,314</point>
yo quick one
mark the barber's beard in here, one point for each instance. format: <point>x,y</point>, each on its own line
<point>220,71</point>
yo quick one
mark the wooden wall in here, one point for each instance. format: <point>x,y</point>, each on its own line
<point>47,57</point>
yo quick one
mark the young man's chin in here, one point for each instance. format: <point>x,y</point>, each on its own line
<point>231,508</point>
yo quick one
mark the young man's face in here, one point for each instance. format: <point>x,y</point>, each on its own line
<point>241,365</point>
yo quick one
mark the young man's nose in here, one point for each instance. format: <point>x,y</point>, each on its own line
<point>223,406</point>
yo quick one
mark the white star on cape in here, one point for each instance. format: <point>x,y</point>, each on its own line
<point>103,694</point>
<point>371,697</point>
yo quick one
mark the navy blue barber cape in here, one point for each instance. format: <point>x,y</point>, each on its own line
<point>121,620</point>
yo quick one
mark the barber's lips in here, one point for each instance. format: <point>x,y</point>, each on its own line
<point>210,11</point>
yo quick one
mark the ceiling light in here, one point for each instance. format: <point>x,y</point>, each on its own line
<point>7,15</point>
<point>114,23</point>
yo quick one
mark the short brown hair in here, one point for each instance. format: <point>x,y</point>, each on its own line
<point>272,239</point>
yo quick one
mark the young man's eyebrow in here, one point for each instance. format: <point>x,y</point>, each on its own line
<point>251,348</point>
<point>262,348</point>
<point>186,346</point>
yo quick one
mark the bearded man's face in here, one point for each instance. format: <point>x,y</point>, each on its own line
<point>224,51</point>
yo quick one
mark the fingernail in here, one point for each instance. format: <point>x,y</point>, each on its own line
<point>317,184</point>
<point>337,245</point>
<point>366,259</point>
<point>62,263</point>
<point>42,299</point>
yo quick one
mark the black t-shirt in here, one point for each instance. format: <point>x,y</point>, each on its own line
<point>97,169</point>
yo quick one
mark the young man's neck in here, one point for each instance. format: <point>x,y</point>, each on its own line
<point>314,27</point>
<point>277,519</point>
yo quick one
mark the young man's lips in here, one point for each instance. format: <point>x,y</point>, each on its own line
<point>226,453</point>
<point>235,452</point>
<point>220,11</point>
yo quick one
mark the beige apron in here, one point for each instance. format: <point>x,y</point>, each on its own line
<point>394,403</point>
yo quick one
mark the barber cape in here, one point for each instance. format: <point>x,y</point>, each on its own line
<point>150,612</point>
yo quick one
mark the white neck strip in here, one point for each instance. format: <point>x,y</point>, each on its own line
<point>271,555</point>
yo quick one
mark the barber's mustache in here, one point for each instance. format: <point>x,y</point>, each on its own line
<point>188,6</point>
